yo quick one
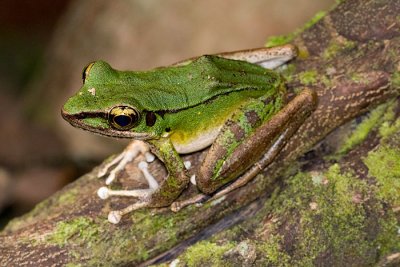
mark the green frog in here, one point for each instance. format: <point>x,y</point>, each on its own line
<point>235,103</point>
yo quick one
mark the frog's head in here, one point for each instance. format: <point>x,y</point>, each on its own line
<point>103,105</point>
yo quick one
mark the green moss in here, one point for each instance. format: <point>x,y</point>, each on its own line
<point>126,244</point>
<point>308,77</point>
<point>329,222</point>
<point>62,198</point>
<point>68,196</point>
<point>387,128</point>
<point>288,72</point>
<point>395,79</point>
<point>363,129</point>
<point>205,253</point>
<point>390,124</point>
<point>388,240</point>
<point>343,187</point>
<point>279,40</point>
<point>156,227</point>
<point>384,165</point>
<point>336,47</point>
<point>82,229</point>
<point>317,17</point>
<point>272,252</point>
<point>329,214</point>
<point>331,51</point>
<point>357,78</point>
<point>326,81</point>
<point>284,39</point>
<point>336,224</point>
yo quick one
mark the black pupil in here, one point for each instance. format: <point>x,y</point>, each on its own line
<point>123,120</point>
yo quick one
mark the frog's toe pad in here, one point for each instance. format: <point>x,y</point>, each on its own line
<point>114,217</point>
<point>149,157</point>
<point>103,192</point>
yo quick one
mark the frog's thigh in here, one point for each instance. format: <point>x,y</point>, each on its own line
<point>215,171</point>
<point>236,149</point>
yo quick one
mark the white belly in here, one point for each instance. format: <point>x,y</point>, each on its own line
<point>197,143</point>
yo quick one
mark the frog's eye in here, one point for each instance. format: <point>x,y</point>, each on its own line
<point>86,70</point>
<point>123,117</point>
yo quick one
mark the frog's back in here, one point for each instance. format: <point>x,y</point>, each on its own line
<point>180,87</point>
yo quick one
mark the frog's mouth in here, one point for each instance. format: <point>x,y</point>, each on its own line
<point>97,122</point>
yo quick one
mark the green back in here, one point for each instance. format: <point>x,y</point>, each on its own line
<point>170,88</point>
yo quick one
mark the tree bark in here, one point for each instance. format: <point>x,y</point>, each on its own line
<point>327,200</point>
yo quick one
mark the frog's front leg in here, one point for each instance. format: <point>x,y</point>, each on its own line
<point>130,153</point>
<point>156,195</point>
<point>236,152</point>
<point>178,177</point>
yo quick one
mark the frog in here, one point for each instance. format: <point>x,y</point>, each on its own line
<point>235,104</point>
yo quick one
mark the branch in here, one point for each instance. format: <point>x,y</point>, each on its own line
<point>351,59</point>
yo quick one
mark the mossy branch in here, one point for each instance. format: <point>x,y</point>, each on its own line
<point>337,205</point>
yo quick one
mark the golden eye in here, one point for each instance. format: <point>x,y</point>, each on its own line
<point>123,117</point>
<point>86,70</point>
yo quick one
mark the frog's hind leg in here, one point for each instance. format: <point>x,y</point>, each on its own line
<point>288,119</point>
<point>267,57</point>
<point>250,154</point>
<point>116,215</point>
<point>242,180</point>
